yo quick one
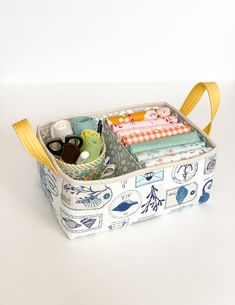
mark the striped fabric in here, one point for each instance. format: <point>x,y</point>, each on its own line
<point>135,138</point>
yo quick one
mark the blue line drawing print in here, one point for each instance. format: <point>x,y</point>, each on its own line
<point>153,201</point>
<point>151,177</point>
<point>81,224</point>
<point>71,223</point>
<point>206,191</point>
<point>88,222</point>
<point>184,173</point>
<point>85,197</point>
<point>181,195</point>
<point>48,183</point>
<point>118,224</point>
<point>125,204</point>
<point>209,166</point>
<point>124,183</point>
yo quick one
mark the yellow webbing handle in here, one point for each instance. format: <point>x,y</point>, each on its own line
<point>31,143</point>
<point>194,97</point>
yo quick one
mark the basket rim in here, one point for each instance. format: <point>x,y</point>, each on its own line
<point>141,171</point>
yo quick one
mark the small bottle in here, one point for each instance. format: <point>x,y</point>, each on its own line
<point>82,157</point>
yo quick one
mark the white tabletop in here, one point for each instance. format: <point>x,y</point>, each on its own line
<point>186,258</point>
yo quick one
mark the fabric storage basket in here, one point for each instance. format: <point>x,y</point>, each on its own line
<point>134,193</point>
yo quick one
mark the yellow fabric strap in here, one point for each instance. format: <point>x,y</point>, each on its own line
<point>31,143</point>
<point>194,97</point>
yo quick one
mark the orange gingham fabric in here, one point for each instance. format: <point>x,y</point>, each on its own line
<point>154,134</point>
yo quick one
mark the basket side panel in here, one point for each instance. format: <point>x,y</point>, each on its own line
<point>92,208</point>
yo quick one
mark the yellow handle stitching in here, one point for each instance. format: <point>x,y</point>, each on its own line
<point>194,96</point>
<point>31,143</point>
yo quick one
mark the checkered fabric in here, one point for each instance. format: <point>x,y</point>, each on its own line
<point>154,134</point>
<point>121,133</point>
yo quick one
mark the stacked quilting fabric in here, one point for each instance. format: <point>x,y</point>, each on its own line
<point>156,136</point>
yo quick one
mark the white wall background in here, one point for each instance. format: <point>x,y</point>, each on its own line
<point>116,40</point>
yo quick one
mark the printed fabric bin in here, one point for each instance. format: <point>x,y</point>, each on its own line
<point>134,193</point>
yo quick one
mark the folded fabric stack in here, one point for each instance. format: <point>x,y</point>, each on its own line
<point>157,137</point>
